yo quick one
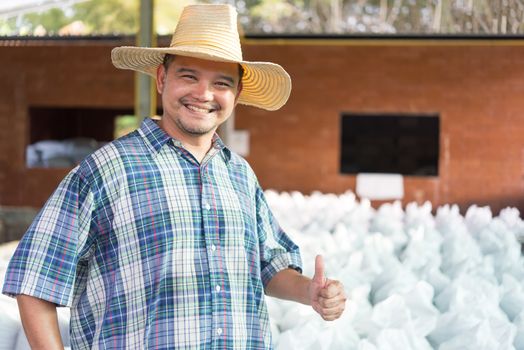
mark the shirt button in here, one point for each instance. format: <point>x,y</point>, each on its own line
<point>213,247</point>
<point>207,206</point>
<point>219,331</point>
<point>217,288</point>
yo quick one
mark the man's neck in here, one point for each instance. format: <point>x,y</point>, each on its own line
<point>197,145</point>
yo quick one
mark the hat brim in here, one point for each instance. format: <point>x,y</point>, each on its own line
<point>264,84</point>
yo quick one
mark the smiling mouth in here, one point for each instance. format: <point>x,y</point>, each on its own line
<point>194,108</point>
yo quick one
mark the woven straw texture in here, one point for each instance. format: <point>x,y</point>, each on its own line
<point>210,32</point>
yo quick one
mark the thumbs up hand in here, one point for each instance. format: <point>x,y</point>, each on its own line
<point>327,297</point>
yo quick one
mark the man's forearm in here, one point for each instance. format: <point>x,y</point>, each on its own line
<point>326,297</point>
<point>40,322</point>
<point>289,284</point>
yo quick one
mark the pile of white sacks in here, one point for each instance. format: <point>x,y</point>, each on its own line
<point>12,335</point>
<point>60,154</point>
<point>414,281</point>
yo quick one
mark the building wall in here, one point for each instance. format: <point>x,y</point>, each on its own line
<point>476,88</point>
<point>49,76</point>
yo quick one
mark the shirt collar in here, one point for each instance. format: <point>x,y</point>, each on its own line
<point>157,138</point>
<point>153,134</point>
<point>219,145</point>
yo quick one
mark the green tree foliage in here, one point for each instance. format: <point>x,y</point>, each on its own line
<point>389,16</point>
<point>108,16</point>
<point>52,20</point>
<point>295,16</point>
<point>167,13</point>
<point>98,16</point>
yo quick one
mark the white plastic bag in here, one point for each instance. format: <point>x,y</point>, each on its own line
<point>10,323</point>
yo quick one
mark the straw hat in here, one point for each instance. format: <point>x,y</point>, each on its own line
<point>210,32</point>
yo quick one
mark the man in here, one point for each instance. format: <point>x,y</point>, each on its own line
<point>163,239</point>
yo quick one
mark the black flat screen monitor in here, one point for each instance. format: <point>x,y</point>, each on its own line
<point>403,144</point>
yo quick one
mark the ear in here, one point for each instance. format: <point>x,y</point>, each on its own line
<point>160,78</point>
<point>239,90</point>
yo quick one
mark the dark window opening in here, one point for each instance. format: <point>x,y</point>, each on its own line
<point>390,143</point>
<point>62,137</point>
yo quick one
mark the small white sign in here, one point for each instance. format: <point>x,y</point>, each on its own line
<point>380,186</point>
<point>239,142</point>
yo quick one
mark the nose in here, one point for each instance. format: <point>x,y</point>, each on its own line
<point>202,91</point>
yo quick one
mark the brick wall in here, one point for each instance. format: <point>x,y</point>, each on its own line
<point>476,88</point>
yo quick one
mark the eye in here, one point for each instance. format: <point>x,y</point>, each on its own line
<point>188,77</point>
<point>223,84</point>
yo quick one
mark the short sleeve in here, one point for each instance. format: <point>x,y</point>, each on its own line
<point>277,250</point>
<point>45,262</point>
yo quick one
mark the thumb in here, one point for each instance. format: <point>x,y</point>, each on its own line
<point>319,271</point>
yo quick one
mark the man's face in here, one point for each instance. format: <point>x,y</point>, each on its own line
<point>197,95</point>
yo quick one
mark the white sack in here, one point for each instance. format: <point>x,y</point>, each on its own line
<point>395,339</point>
<point>512,300</point>
<point>10,323</point>
<point>519,338</point>
<point>472,331</point>
<point>477,218</point>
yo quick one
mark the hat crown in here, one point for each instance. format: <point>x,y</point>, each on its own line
<point>210,29</point>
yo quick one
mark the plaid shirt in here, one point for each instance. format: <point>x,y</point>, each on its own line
<point>152,250</point>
